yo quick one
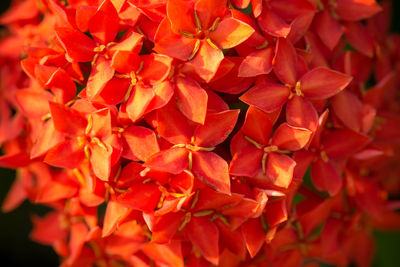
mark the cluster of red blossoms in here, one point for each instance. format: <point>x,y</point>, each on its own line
<point>203,132</point>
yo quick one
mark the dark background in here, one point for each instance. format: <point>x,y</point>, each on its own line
<point>16,249</point>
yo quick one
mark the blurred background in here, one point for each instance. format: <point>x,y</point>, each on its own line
<point>16,249</point>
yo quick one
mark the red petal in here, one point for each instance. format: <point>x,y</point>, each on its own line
<point>356,10</point>
<point>257,63</point>
<point>191,99</point>
<point>156,68</point>
<point>266,96</point>
<point>67,120</point>
<point>209,10</point>
<point>230,33</point>
<point>328,29</point>
<point>291,138</point>
<point>280,169</point>
<point>105,23</point>
<point>272,24</point>
<point>344,142</point>
<point>206,243</point>
<point>359,37</point>
<point>253,235</point>
<point>301,113</point>
<point>143,197</point>
<point>140,143</point>
<point>79,47</point>
<point>257,126</point>
<point>325,177</point>
<point>322,83</point>
<point>348,108</point>
<point>47,139</point>
<point>67,154</point>
<point>163,93</point>
<point>165,227</point>
<point>216,128</point>
<point>101,73</point>
<point>173,160</point>
<point>212,169</point>
<point>285,62</point>
<point>182,131</point>
<point>246,158</point>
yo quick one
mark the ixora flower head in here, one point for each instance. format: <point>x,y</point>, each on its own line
<point>202,132</point>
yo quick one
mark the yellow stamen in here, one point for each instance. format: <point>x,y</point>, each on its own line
<point>99,143</point>
<point>186,220</point>
<point>195,199</point>
<point>210,42</point>
<point>324,156</point>
<point>297,89</point>
<point>190,158</point>
<point>89,124</point>
<point>203,213</point>
<point>263,45</point>
<point>187,34</point>
<point>198,22</point>
<point>263,163</point>
<point>79,176</point>
<point>196,48</point>
<point>214,25</point>
<point>254,142</point>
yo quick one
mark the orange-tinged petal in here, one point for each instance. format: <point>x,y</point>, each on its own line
<point>230,33</point>
<point>105,23</point>
<point>155,68</point>
<point>15,196</point>
<point>83,15</point>
<point>114,213</point>
<point>139,143</point>
<point>257,63</point>
<point>216,128</point>
<point>100,159</point>
<point>280,169</point>
<point>176,46</point>
<point>212,169</point>
<point>34,103</point>
<point>163,93</point>
<point>139,101</point>
<point>276,213</point>
<point>47,139</point>
<point>78,46</point>
<point>174,160</point>
<point>272,24</point>
<point>168,254</point>
<point>191,99</point>
<point>206,243</point>
<point>321,83</point>
<point>209,10</point>
<point>301,113</point>
<point>207,61</point>
<point>101,73</point>
<point>290,137</point>
<point>285,62</point>
<point>266,96</point>
<point>181,15</point>
<point>325,177</point>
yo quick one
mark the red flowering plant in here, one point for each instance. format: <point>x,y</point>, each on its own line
<point>215,133</point>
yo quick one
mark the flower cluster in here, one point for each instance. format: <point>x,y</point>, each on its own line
<point>203,132</point>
